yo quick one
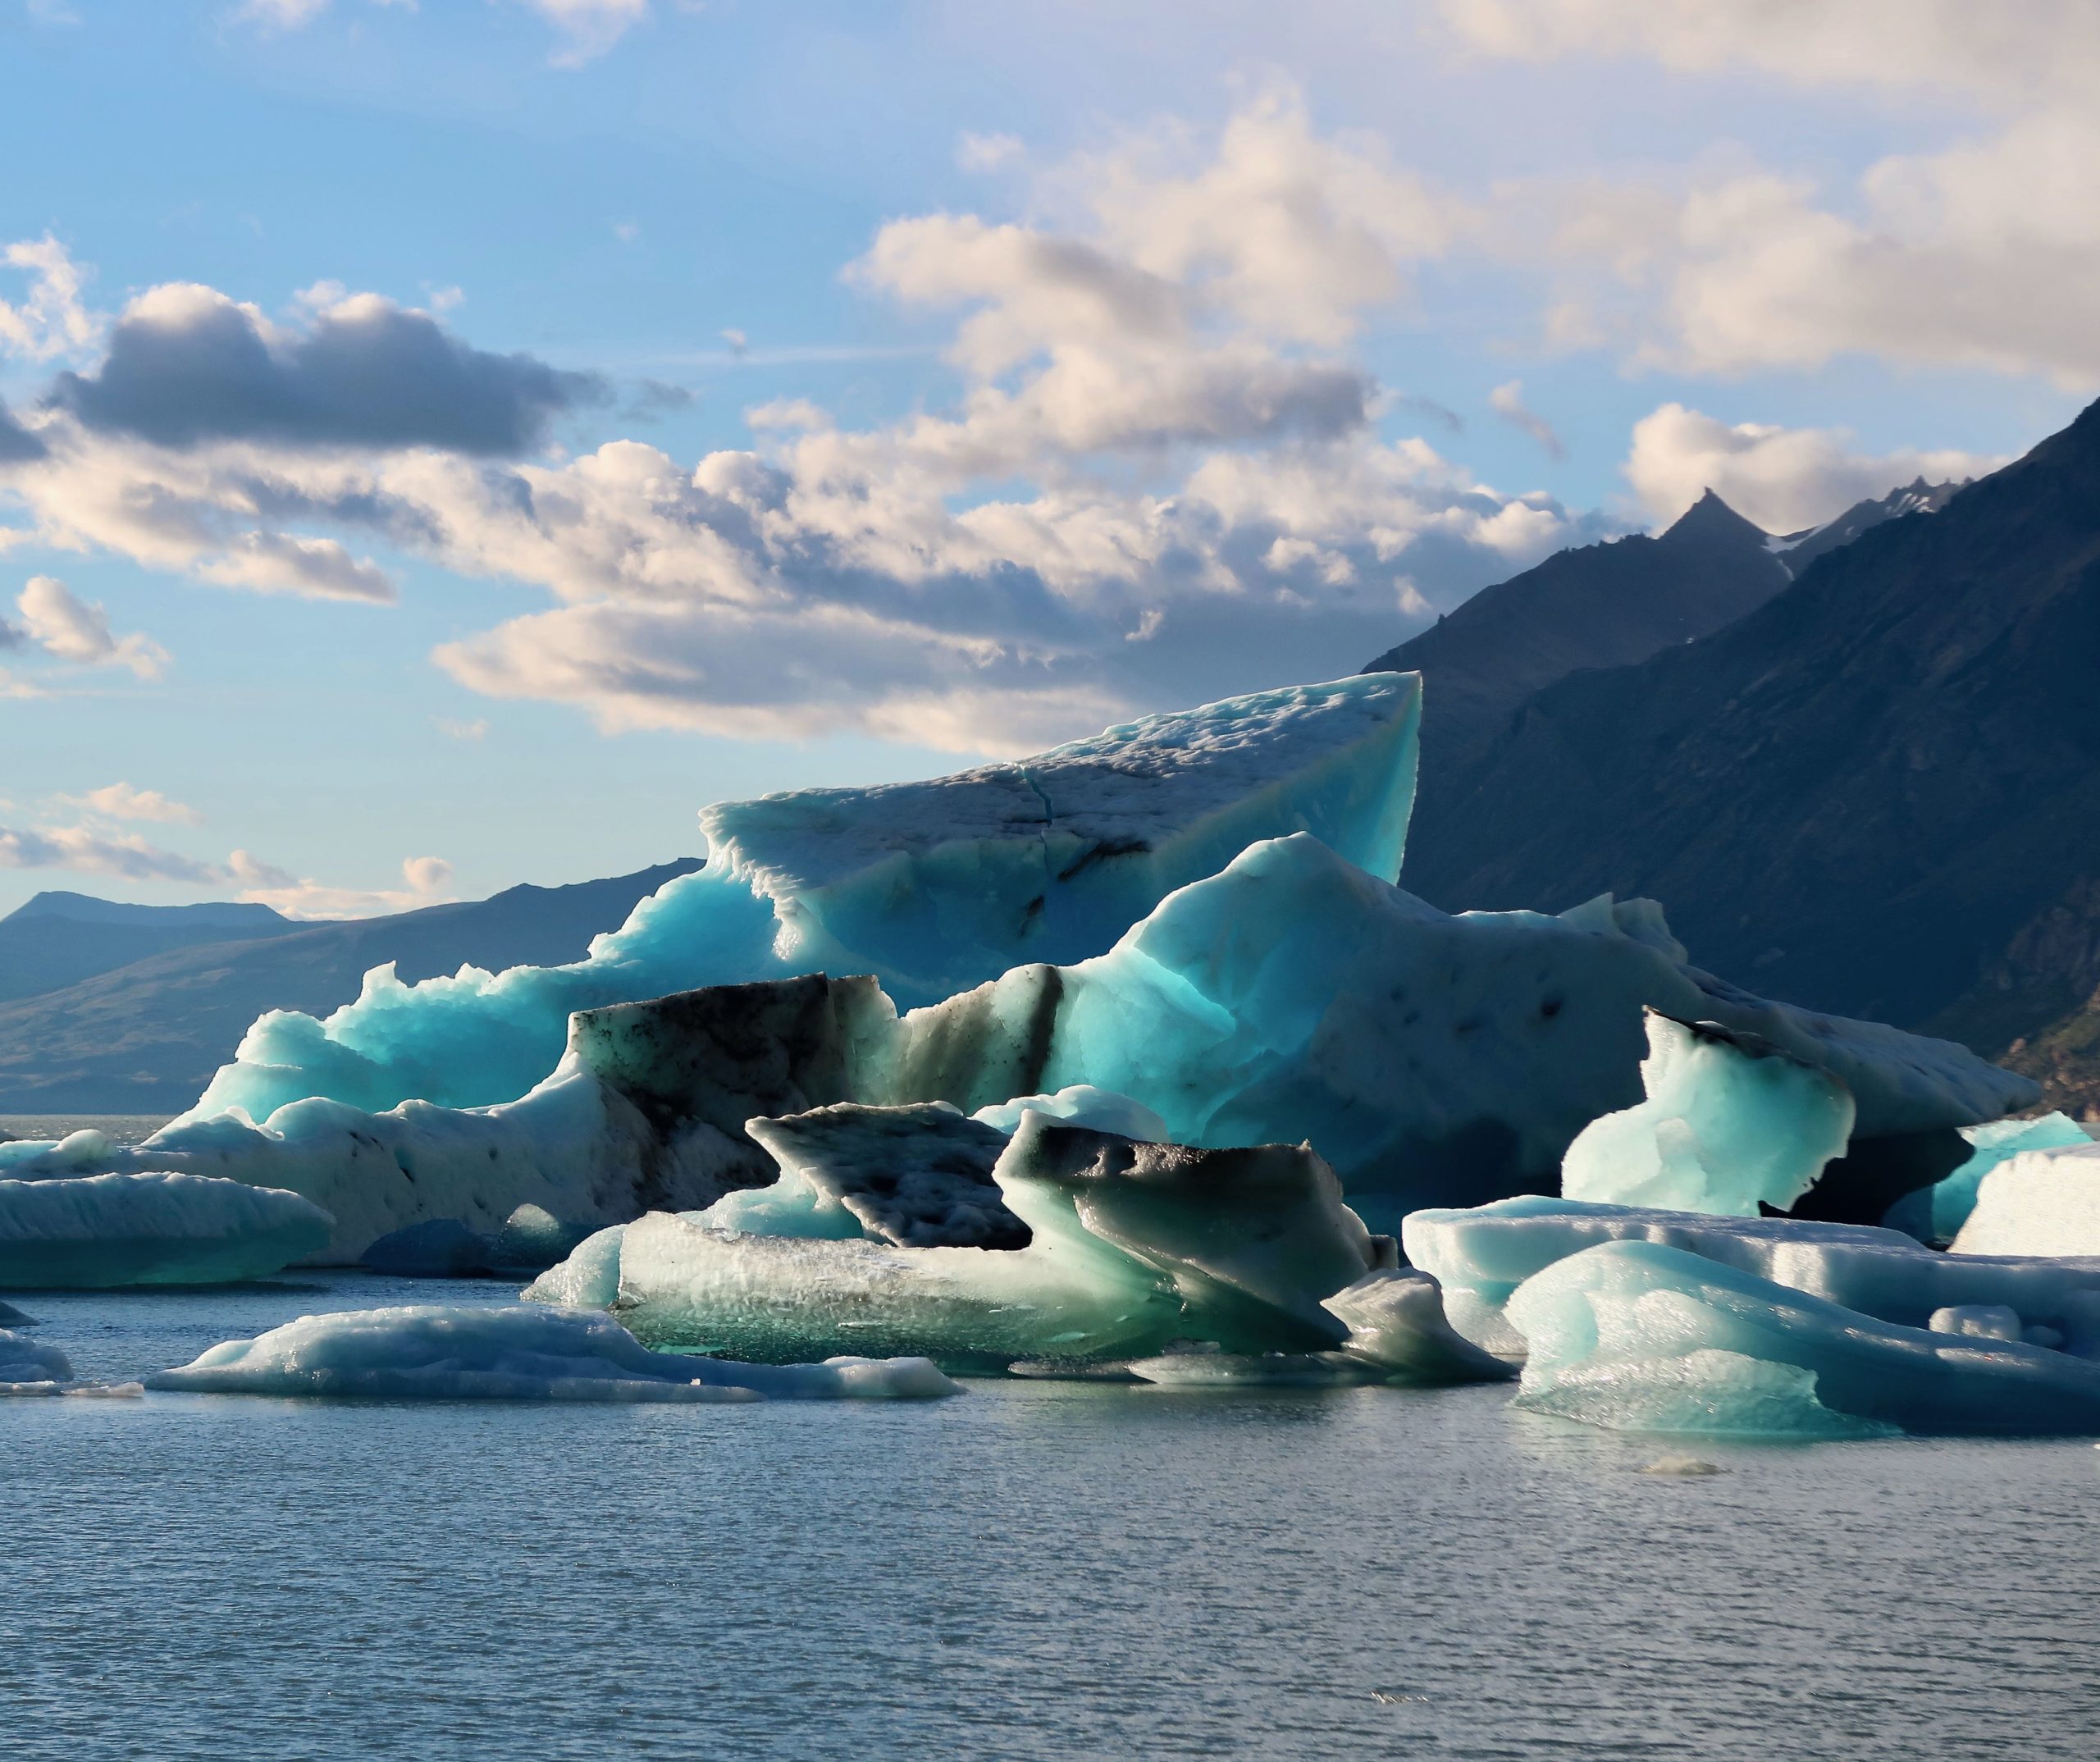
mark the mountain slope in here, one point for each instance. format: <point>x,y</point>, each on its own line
<point>1858,796</point>
<point>1600,606</point>
<point>57,939</point>
<point>146,1038</point>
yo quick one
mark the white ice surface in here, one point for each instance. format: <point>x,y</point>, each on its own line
<point>1937,1212</point>
<point>2036,1202</point>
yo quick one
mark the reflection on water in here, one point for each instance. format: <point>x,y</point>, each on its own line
<point>1035,1570</point>
<point>119,1128</point>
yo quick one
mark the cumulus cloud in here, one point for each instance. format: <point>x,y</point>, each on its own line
<point>120,801</point>
<point>54,319</point>
<point>424,879</point>
<point>2007,52</point>
<point>1781,479</point>
<point>1507,401</point>
<point>1162,479</point>
<point>91,852</point>
<point>17,444</point>
<point>987,152</point>
<point>64,626</point>
<point>1975,254</point>
<point>187,366</point>
<point>588,28</point>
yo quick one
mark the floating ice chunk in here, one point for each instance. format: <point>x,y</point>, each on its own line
<point>1730,1121</point>
<point>99,1230</point>
<point>1690,1468</point>
<point>1131,1246</point>
<point>519,1353</point>
<point>11,1316</point>
<point>1937,1212</point>
<point>932,887</point>
<point>1082,1104</point>
<point>918,1176</point>
<point>1426,1057</point>
<point>1396,1321</point>
<point>22,1360</point>
<point>1635,1337</point>
<point>84,1152</point>
<point>1481,1256</point>
<point>589,1278</point>
<point>2036,1202</point>
<point>1267,1370</point>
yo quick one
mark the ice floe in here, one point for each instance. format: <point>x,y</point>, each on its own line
<point>90,1231</point>
<point>519,1353</point>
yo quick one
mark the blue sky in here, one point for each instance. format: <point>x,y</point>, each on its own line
<point>494,430</point>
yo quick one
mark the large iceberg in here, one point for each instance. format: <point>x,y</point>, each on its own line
<point>100,1230</point>
<point>1731,1122</point>
<point>1481,1257</point>
<point>1131,1246</point>
<point>519,1353</point>
<point>930,887</point>
<point>1638,1336</point>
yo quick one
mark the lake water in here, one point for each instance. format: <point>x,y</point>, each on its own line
<point>1033,1570</point>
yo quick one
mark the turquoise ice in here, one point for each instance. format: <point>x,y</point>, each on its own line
<point>1730,1121</point>
<point>99,1230</point>
<point>1937,1212</point>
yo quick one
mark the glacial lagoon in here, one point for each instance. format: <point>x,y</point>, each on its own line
<point>1036,1570</point>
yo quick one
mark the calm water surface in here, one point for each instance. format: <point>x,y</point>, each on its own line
<point>1033,1570</point>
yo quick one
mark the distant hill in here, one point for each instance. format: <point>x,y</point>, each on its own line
<point>1879,792</point>
<point>145,1036</point>
<point>58,939</point>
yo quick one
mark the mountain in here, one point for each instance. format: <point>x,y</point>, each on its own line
<point>1599,605</point>
<point>1879,792</point>
<point>1799,550</point>
<point>145,1036</point>
<point>58,939</point>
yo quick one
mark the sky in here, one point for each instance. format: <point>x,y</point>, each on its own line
<point>446,445</point>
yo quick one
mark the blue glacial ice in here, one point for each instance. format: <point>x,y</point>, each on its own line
<point>1936,1213</point>
<point>1634,1336</point>
<point>98,1230</point>
<point>931,887</point>
<point>23,1361</point>
<point>2043,1202</point>
<point>1730,1121</point>
<point>1481,1256</point>
<point>521,1353</point>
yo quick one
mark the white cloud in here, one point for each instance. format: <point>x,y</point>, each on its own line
<point>91,852</point>
<point>2010,52</point>
<point>588,28</point>
<point>1161,480</point>
<point>280,15</point>
<point>1507,401</point>
<point>425,878</point>
<point>453,728</point>
<point>70,629</point>
<point>121,801</point>
<point>54,319</point>
<point>986,152</point>
<point>1781,479</point>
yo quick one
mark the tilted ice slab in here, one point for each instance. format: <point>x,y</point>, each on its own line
<point>2038,1202</point>
<point>1481,1256</point>
<point>931,887</point>
<point>1637,1336</point>
<point>22,1360</point>
<point>1131,1247</point>
<point>1428,1057</point>
<point>1937,1212</point>
<point>1397,1322</point>
<point>522,1353</point>
<point>100,1230</point>
<point>1730,1121</point>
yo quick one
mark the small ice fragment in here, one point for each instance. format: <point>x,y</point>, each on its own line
<point>1686,1466</point>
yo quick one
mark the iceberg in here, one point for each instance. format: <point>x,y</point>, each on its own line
<point>1430,1058</point>
<point>1936,1213</point>
<point>931,887</point>
<point>1396,1321</point>
<point>23,1361</point>
<point>2036,1202</point>
<point>1731,1122</point>
<point>518,1353</point>
<point>101,1230</point>
<point>1482,1257</point>
<point>1634,1336</point>
<point>1131,1246</point>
